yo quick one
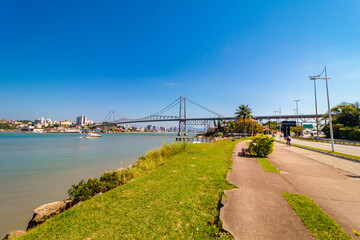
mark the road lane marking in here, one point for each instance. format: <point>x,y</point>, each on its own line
<point>327,159</point>
<point>346,165</point>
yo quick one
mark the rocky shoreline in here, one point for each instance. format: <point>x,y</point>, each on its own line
<point>41,214</point>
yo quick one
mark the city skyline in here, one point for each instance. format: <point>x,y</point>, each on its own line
<point>134,58</point>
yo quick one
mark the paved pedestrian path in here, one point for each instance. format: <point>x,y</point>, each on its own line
<point>257,210</point>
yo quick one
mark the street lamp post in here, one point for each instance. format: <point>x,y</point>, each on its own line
<point>317,121</point>
<point>280,118</point>
<point>297,117</point>
<point>328,100</point>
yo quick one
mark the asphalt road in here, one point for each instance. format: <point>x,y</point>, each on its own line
<point>340,163</point>
<point>348,149</point>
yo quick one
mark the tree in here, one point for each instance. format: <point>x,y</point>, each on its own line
<point>249,124</point>
<point>347,114</point>
<point>272,125</point>
<point>346,121</point>
<point>243,112</point>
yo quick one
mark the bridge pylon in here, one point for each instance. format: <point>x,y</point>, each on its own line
<point>182,117</point>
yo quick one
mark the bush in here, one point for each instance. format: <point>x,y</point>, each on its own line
<point>341,132</point>
<point>262,145</point>
<point>212,134</point>
<point>85,190</point>
<point>112,179</point>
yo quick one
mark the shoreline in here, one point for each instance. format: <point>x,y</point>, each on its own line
<point>91,152</point>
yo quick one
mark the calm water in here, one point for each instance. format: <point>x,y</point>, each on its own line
<point>39,168</point>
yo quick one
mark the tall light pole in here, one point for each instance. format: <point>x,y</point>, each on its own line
<point>317,121</point>
<point>328,100</point>
<point>297,117</point>
<point>280,117</point>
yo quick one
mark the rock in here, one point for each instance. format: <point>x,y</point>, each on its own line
<point>48,210</point>
<point>13,234</point>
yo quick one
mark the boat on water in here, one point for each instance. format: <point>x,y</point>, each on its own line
<point>92,135</point>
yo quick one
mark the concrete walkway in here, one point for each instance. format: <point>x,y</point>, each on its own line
<point>257,210</point>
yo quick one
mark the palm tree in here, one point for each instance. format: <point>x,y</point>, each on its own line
<point>243,112</point>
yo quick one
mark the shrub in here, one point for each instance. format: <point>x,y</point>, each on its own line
<point>112,179</point>
<point>262,145</point>
<point>85,190</point>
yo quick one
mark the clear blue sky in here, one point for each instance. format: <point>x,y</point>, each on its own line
<point>61,59</point>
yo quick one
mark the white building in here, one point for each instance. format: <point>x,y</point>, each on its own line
<point>82,120</point>
<point>66,123</point>
<point>49,122</point>
<point>40,121</point>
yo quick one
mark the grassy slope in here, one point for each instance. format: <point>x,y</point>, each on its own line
<point>178,200</point>
<point>314,218</point>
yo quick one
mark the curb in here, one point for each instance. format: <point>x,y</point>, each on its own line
<point>330,154</point>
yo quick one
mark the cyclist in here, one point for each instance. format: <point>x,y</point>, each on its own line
<point>288,141</point>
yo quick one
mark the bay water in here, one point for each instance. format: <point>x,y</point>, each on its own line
<point>39,168</point>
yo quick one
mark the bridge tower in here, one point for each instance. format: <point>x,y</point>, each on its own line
<point>182,117</point>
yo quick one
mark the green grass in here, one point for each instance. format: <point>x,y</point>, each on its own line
<point>267,166</point>
<point>178,200</point>
<point>314,218</point>
<point>325,151</point>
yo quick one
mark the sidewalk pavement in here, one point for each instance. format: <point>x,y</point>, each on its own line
<point>257,210</point>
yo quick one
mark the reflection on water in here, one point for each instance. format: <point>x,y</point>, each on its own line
<point>39,168</point>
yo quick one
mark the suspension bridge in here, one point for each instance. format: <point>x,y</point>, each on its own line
<point>184,121</point>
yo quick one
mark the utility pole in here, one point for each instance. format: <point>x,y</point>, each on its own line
<point>297,117</point>
<point>330,120</point>
<point>280,118</point>
<point>317,119</point>
<point>276,118</point>
<point>329,110</point>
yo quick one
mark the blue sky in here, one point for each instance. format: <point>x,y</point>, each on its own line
<point>66,58</point>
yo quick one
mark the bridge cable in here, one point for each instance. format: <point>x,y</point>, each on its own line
<point>217,114</point>
<point>167,108</point>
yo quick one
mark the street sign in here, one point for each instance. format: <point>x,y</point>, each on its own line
<point>308,126</point>
<point>289,123</point>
